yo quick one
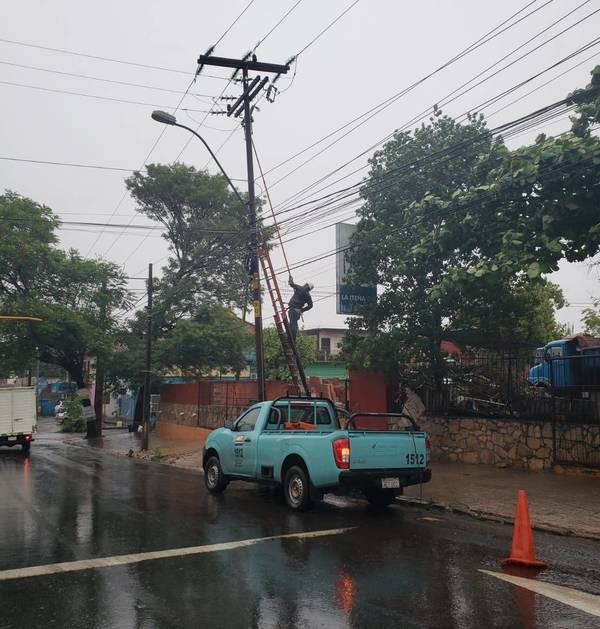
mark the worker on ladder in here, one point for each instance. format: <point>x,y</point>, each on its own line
<point>300,302</point>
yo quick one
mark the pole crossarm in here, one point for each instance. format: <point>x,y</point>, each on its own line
<point>243,64</point>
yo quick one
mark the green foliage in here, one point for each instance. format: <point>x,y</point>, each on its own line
<point>460,245</point>
<point>275,363</point>
<point>72,295</point>
<point>74,421</point>
<point>214,340</point>
<point>206,230</point>
<point>591,319</point>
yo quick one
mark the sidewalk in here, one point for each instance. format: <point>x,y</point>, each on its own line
<point>179,453</point>
<point>569,505</point>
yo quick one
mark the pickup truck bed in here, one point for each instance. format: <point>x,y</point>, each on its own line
<point>299,444</point>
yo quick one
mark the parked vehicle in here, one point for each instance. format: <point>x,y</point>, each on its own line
<point>567,364</point>
<point>298,444</point>
<point>18,418</point>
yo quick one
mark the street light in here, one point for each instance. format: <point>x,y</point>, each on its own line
<point>166,118</point>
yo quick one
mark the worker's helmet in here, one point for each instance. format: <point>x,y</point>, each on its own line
<point>310,286</point>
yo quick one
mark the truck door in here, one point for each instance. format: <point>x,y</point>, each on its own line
<point>240,454</point>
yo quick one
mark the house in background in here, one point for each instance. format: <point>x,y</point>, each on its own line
<point>327,342</point>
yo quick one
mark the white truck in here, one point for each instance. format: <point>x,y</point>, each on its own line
<point>18,417</point>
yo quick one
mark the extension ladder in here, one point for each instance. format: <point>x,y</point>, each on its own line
<point>282,324</point>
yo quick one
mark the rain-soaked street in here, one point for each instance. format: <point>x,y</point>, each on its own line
<point>406,567</point>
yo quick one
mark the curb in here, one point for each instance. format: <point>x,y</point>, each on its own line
<point>494,517</point>
<point>125,455</point>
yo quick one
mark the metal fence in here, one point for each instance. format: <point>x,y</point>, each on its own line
<point>520,384</point>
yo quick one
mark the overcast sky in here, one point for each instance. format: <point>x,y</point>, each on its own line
<point>375,50</point>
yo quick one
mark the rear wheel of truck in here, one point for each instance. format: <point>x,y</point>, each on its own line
<point>214,478</point>
<point>296,488</point>
<point>26,447</point>
<point>380,498</point>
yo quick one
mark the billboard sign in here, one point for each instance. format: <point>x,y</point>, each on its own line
<point>348,297</point>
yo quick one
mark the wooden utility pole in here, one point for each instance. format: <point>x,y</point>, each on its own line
<point>148,365</point>
<point>99,389</point>
<point>242,105</point>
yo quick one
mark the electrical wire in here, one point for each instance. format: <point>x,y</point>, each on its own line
<point>70,164</point>
<point>489,36</point>
<point>409,225</point>
<point>443,102</point>
<point>235,21</point>
<point>103,80</point>
<point>479,108</point>
<point>273,28</point>
<point>96,97</point>
<point>162,132</point>
<point>330,25</point>
<point>99,58</point>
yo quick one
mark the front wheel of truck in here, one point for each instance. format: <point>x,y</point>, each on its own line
<point>296,488</point>
<point>214,478</point>
<point>380,498</point>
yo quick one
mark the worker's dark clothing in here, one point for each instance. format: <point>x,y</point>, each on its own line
<point>300,302</point>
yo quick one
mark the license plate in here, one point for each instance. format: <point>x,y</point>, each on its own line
<point>390,483</point>
<point>12,438</point>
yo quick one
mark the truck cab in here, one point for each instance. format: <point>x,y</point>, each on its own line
<point>567,363</point>
<point>308,447</point>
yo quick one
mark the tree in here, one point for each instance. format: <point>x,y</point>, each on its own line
<point>206,228</point>
<point>275,363</point>
<point>71,294</point>
<point>388,247</point>
<point>591,319</point>
<point>464,239</point>
<point>214,341</point>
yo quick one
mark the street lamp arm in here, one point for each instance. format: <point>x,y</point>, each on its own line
<point>177,124</point>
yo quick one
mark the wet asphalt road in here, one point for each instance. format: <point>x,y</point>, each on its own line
<point>406,567</point>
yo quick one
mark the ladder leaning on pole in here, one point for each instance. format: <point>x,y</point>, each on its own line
<point>282,324</point>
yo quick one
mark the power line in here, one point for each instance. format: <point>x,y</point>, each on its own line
<point>201,123</point>
<point>273,28</point>
<point>445,101</point>
<point>478,108</point>
<point>124,195</point>
<point>163,130</point>
<point>489,36</point>
<point>517,128</point>
<point>103,80</point>
<point>99,58</point>
<point>70,164</point>
<point>474,205</point>
<point>106,98</point>
<point>330,25</point>
<point>233,24</point>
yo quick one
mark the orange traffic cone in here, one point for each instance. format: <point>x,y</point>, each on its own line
<point>522,552</point>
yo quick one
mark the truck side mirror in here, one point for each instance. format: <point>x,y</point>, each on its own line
<point>228,423</point>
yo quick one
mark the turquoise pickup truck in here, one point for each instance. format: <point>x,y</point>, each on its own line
<point>300,445</point>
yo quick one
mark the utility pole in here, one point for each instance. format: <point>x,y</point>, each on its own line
<point>99,389</point>
<point>242,104</point>
<point>148,366</point>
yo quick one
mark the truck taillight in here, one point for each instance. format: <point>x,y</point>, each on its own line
<point>428,450</point>
<point>341,453</point>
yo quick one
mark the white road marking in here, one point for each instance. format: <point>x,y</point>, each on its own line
<point>121,560</point>
<point>589,603</point>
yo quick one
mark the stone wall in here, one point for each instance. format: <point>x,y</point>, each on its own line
<point>505,443</point>
<point>197,416</point>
